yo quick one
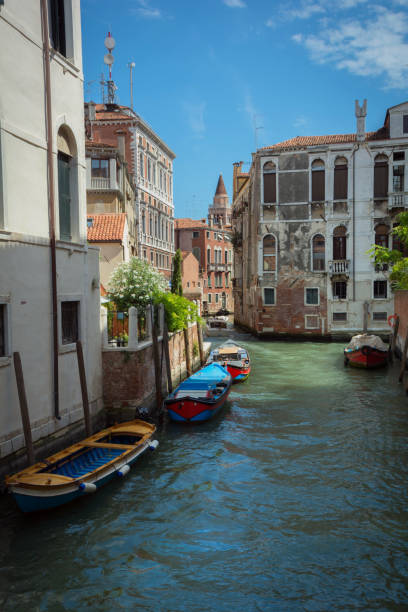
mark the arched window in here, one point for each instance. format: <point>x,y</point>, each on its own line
<point>269,253</point>
<point>339,242</point>
<point>318,247</point>
<point>226,256</point>
<point>318,191</point>
<point>340,179</point>
<point>381,235</point>
<point>68,201</point>
<point>381,176</point>
<point>269,182</point>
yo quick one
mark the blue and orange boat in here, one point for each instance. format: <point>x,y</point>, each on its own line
<point>366,351</point>
<point>233,358</point>
<point>201,396</point>
<point>81,468</point>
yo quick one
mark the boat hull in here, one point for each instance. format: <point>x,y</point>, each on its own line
<point>366,357</point>
<point>238,374</point>
<point>58,481</point>
<point>192,410</point>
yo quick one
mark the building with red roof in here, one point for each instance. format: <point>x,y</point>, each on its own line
<point>109,232</point>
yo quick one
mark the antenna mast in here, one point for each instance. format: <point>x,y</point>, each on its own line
<point>108,60</point>
<point>131,65</point>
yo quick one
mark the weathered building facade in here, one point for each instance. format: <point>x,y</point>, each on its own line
<point>150,163</point>
<point>304,218</point>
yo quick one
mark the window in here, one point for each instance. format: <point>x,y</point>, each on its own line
<point>340,179</point>
<point>340,290</point>
<point>151,257</point>
<point>339,243</point>
<point>227,280</point>
<point>141,165</point>
<point>144,254</point>
<point>143,222</point>
<point>216,298</point>
<point>318,190</point>
<point>318,256</point>
<point>209,297</point>
<point>405,124</point>
<point>312,322</point>
<point>167,261</point>
<point>380,289</point>
<point>398,178</point>
<point>64,195</point>
<point>339,316</point>
<point>312,297</point>
<point>69,322</point>
<point>208,234</point>
<point>149,170</point>
<point>379,316</point>
<point>209,281</point>
<point>100,168</point>
<point>226,257</point>
<point>196,234</point>
<point>269,182</point>
<point>57,26</point>
<point>381,235</point>
<point>188,283</point>
<point>208,256</point>
<point>151,224</point>
<point>269,253</point>
<point>381,176</point>
<point>157,260</point>
<point>269,296</point>
<point>398,156</point>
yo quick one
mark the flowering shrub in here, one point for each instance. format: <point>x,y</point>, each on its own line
<point>179,311</point>
<point>135,283</point>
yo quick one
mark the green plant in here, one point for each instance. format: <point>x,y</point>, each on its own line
<point>179,311</point>
<point>195,349</point>
<point>176,282</point>
<point>135,283</point>
<point>394,258</point>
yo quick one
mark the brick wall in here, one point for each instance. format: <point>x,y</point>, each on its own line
<point>128,375</point>
<point>401,309</point>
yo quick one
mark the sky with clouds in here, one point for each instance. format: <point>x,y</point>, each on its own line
<point>216,79</point>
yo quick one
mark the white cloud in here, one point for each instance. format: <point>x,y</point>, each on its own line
<point>146,11</point>
<point>195,117</point>
<point>303,11</point>
<point>234,3</point>
<point>372,47</point>
<point>270,23</point>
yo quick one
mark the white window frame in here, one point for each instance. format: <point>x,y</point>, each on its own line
<point>306,289</point>
<point>216,298</point>
<point>210,298</point>
<point>274,296</point>
<point>6,359</point>
<point>68,348</point>
<point>308,326</point>
<point>388,289</point>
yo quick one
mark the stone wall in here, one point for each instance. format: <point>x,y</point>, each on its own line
<point>401,309</point>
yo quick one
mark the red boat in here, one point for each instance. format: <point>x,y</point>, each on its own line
<point>233,358</point>
<point>366,351</point>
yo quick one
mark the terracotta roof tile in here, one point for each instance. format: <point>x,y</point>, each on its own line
<point>91,144</point>
<point>191,223</point>
<point>301,142</point>
<point>106,227</point>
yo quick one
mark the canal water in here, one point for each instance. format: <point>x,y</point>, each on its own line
<point>294,498</point>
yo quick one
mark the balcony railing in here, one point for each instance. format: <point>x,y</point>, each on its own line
<point>339,266</point>
<point>218,267</point>
<point>398,200</point>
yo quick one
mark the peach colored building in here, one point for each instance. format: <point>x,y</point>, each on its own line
<point>109,232</point>
<point>192,280</point>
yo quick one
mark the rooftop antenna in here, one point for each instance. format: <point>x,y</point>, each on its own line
<point>108,60</point>
<point>131,65</point>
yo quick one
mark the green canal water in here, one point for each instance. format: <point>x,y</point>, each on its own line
<point>294,498</point>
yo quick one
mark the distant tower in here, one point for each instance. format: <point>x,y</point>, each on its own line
<point>219,213</point>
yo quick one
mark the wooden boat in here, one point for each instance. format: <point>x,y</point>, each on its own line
<point>366,351</point>
<point>81,468</point>
<point>200,396</point>
<point>233,358</point>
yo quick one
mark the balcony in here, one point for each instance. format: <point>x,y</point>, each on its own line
<point>339,266</point>
<point>398,200</point>
<point>218,267</point>
<point>101,183</point>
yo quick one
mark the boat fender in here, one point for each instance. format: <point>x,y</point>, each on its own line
<point>392,319</point>
<point>153,444</point>
<point>125,469</point>
<point>87,487</point>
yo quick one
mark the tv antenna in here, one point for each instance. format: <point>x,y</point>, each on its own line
<point>131,66</point>
<point>108,60</point>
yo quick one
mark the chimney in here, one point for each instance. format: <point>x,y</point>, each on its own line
<point>361,113</point>
<point>91,111</point>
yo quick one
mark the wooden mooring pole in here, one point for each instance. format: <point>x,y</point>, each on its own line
<point>200,343</point>
<point>167,355</point>
<point>156,358</point>
<point>84,389</point>
<point>188,356</point>
<point>393,339</point>
<point>18,368</point>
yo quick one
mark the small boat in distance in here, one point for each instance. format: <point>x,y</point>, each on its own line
<point>366,351</point>
<point>201,396</point>
<point>234,358</point>
<point>81,468</point>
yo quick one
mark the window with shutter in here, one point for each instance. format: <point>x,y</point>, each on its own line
<point>340,179</point>
<point>339,243</point>
<point>381,176</point>
<point>57,26</point>
<point>318,174</point>
<point>269,180</point>
<point>64,196</point>
<point>318,256</point>
<point>269,253</point>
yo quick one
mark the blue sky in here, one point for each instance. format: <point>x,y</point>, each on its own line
<point>216,77</point>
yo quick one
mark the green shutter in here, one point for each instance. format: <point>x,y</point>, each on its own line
<point>64,199</point>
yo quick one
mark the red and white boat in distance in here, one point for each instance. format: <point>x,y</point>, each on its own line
<point>233,358</point>
<point>366,351</point>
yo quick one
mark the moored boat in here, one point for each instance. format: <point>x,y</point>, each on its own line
<point>201,396</point>
<point>366,351</point>
<point>81,468</point>
<point>233,358</point>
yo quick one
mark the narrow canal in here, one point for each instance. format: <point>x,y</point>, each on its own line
<point>294,498</point>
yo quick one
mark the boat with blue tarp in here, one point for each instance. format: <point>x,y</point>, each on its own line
<point>81,468</point>
<point>201,396</point>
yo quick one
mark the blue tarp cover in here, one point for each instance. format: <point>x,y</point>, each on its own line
<point>205,378</point>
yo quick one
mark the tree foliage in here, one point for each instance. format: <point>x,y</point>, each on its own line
<point>394,258</point>
<point>135,283</point>
<point>178,310</point>
<point>176,283</point>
